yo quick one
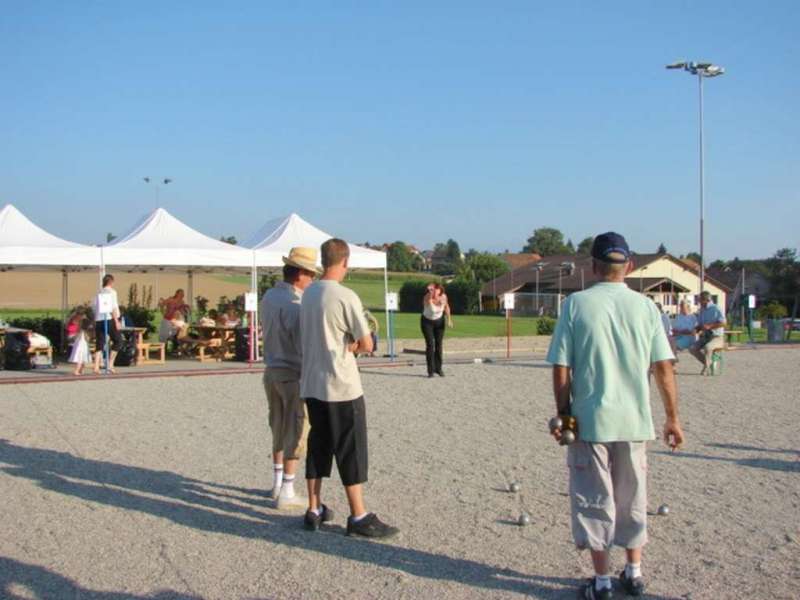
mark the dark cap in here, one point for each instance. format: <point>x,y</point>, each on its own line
<point>607,244</point>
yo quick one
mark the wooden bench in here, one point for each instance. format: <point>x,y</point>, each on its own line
<point>144,351</point>
<point>730,333</point>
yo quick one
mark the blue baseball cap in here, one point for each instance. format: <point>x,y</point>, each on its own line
<point>611,247</point>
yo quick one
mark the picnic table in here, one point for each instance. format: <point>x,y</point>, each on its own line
<point>217,339</point>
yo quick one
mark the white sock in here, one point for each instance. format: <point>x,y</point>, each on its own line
<point>287,489</point>
<point>277,476</point>
<point>359,517</point>
<point>633,570</point>
<point>602,582</point>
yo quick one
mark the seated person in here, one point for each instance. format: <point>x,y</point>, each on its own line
<point>230,318</point>
<point>684,326</point>
<point>175,311</point>
<point>711,332</point>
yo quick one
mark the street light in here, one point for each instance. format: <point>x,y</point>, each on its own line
<point>702,70</point>
<point>157,183</point>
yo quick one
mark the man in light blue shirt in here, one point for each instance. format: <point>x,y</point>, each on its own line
<point>711,327</point>
<point>606,340</point>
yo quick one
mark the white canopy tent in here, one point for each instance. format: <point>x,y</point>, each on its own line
<point>160,240</point>
<point>274,240</point>
<point>25,245</point>
<point>277,237</point>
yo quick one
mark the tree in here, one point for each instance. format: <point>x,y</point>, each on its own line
<point>547,241</point>
<point>399,258</point>
<point>718,264</point>
<point>662,249</point>
<point>585,247</point>
<point>570,247</point>
<point>110,237</point>
<point>229,240</point>
<point>485,267</point>
<point>784,276</point>
<point>694,256</point>
<point>447,258</point>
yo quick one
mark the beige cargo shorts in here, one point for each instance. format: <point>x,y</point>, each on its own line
<point>287,413</point>
<point>608,494</point>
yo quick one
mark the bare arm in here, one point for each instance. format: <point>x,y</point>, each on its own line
<point>562,390</point>
<point>665,379</point>
<point>362,346</point>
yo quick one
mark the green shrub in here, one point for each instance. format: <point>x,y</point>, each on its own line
<point>49,327</point>
<point>140,316</point>
<point>463,296</point>
<point>411,294</point>
<point>773,310</point>
<point>545,325</point>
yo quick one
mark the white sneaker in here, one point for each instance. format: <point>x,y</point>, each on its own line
<point>274,493</point>
<point>285,503</point>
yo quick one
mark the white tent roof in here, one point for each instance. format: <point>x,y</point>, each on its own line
<point>274,240</point>
<point>25,244</point>
<point>160,239</point>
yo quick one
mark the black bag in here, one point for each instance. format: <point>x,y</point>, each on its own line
<point>16,351</point>
<point>126,353</point>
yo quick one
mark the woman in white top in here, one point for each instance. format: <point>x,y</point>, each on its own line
<point>435,309</point>
<point>100,325</point>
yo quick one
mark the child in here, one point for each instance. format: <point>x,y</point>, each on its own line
<point>80,354</point>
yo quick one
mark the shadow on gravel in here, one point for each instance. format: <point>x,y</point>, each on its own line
<point>753,448</point>
<point>769,464</point>
<point>388,373</point>
<point>19,580</point>
<point>197,504</point>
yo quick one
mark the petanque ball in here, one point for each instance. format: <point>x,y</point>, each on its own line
<point>513,487</point>
<point>524,519</point>
<point>567,437</point>
<point>555,423</point>
<point>663,510</point>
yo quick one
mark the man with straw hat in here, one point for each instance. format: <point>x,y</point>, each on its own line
<point>280,322</point>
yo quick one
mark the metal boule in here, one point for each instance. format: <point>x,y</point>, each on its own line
<point>555,423</point>
<point>663,510</point>
<point>567,437</point>
<point>524,519</point>
<point>513,487</point>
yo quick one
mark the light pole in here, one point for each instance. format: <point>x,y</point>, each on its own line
<point>157,183</point>
<point>701,70</point>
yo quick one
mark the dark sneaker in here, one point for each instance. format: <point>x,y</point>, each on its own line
<point>370,526</point>
<point>632,587</point>
<point>312,521</point>
<point>440,373</point>
<point>588,592</point>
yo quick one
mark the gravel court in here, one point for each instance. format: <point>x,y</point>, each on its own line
<point>156,488</point>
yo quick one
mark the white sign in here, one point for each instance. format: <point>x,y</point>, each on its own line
<point>751,301</point>
<point>508,301</point>
<point>105,305</point>
<point>392,302</point>
<point>250,302</point>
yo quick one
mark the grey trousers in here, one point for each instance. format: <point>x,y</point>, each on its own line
<point>608,494</point>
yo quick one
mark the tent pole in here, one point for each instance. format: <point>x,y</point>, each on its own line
<point>253,325</point>
<point>64,302</point>
<point>389,332</point>
<point>190,288</point>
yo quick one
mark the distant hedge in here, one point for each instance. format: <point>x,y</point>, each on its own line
<point>411,294</point>
<point>462,295</point>
<point>545,325</point>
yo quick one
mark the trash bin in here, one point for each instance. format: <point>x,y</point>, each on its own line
<point>775,330</point>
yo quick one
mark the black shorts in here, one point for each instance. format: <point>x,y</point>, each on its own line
<point>337,429</point>
<point>100,335</point>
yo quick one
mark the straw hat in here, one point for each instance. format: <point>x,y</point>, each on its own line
<point>302,258</point>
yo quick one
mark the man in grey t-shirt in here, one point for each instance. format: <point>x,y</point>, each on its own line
<point>332,331</point>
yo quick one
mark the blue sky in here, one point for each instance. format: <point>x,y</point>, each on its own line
<point>417,121</point>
